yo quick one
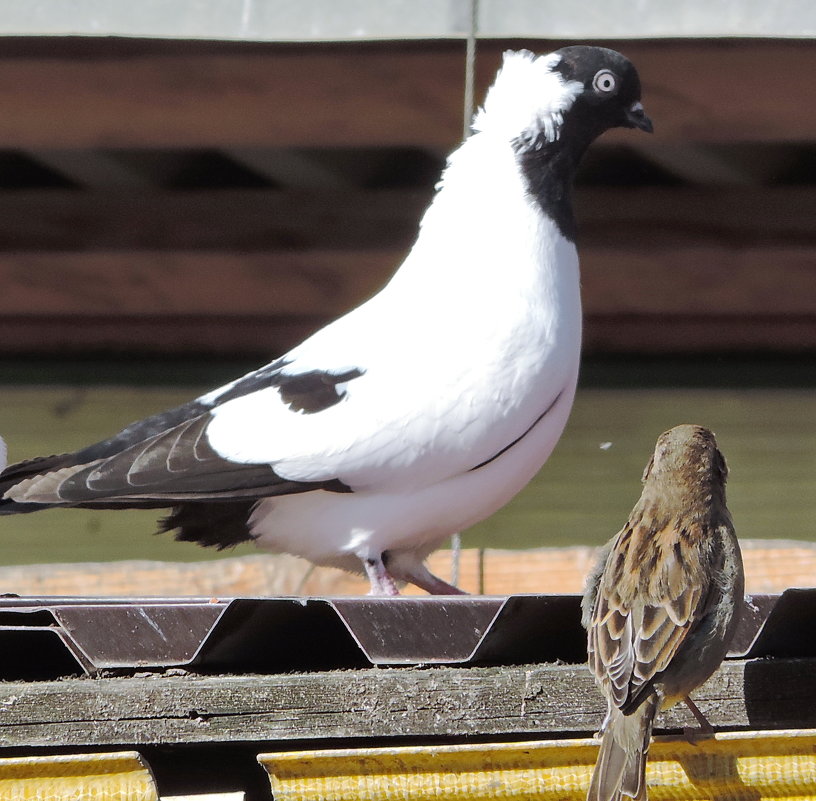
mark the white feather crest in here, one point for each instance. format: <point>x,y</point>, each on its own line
<point>527,97</point>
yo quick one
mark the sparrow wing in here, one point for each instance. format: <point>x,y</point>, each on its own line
<point>652,591</point>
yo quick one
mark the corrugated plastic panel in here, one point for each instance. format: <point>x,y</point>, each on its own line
<point>744,766</point>
<point>121,776</point>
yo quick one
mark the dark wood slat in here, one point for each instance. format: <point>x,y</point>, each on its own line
<point>386,94</point>
<point>687,334</point>
<point>262,220</point>
<point>268,337</point>
<point>693,280</point>
<point>157,283</point>
<point>375,705</point>
<point>245,220</point>
<point>304,96</point>
<point>663,270</point>
<point>264,337</point>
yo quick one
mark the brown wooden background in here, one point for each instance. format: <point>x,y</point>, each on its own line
<point>181,197</point>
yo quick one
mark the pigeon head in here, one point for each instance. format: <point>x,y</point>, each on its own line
<point>609,96</point>
<point>550,108</point>
<point>569,97</point>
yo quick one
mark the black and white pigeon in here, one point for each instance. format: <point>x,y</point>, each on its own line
<point>425,409</point>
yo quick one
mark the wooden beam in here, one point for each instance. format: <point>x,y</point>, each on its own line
<point>265,220</point>
<point>694,281</point>
<point>223,220</point>
<point>699,280</point>
<point>290,168</point>
<point>408,93</point>
<point>716,166</point>
<point>264,337</point>
<point>182,283</point>
<point>687,334</point>
<point>267,337</point>
<point>662,269</point>
<point>235,96</point>
<point>93,169</point>
<point>376,705</point>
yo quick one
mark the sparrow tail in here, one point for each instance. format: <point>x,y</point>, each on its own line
<point>621,766</point>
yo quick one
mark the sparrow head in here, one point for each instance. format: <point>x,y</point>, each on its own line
<point>686,458</point>
<point>572,95</point>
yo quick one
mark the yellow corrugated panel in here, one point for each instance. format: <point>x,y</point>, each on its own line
<point>745,766</point>
<point>118,776</point>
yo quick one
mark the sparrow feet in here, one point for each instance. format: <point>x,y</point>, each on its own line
<point>705,730</point>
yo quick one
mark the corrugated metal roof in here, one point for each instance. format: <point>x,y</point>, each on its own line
<point>343,20</point>
<point>51,637</point>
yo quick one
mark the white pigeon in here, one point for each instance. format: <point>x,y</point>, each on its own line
<point>425,409</point>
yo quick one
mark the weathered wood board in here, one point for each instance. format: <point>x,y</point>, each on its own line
<point>377,704</point>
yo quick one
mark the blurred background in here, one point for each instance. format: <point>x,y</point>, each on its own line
<point>188,188</point>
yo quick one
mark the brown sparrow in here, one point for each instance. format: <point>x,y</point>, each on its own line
<point>661,605</point>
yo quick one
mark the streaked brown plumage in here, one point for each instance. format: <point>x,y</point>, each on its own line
<point>662,604</point>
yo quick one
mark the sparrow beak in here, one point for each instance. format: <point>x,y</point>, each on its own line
<point>636,118</point>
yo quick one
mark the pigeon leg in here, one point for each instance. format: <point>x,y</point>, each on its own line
<point>420,576</point>
<point>380,578</point>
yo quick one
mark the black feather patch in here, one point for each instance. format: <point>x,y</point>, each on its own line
<point>314,391</point>
<point>548,169</point>
<point>308,392</point>
<point>263,378</point>
<point>218,525</point>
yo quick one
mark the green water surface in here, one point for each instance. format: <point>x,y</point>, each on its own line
<point>581,496</point>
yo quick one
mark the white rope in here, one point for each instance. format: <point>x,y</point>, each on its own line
<point>470,67</point>
<point>470,70</point>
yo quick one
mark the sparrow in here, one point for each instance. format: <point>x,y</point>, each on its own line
<point>662,603</point>
<point>420,412</point>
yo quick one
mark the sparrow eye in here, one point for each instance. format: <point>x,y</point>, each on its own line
<point>605,82</point>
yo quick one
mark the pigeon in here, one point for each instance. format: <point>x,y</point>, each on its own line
<point>662,604</point>
<point>423,410</point>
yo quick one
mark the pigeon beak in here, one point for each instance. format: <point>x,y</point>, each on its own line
<point>636,118</point>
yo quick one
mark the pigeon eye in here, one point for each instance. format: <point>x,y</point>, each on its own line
<point>605,82</point>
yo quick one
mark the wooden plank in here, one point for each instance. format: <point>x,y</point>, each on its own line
<point>702,333</point>
<point>687,252</point>
<point>375,704</point>
<point>170,95</point>
<point>153,283</point>
<point>247,96</point>
<point>696,280</point>
<point>263,220</point>
<point>264,337</point>
<point>108,272</point>
<point>223,220</point>
<point>267,337</point>
<point>725,90</point>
